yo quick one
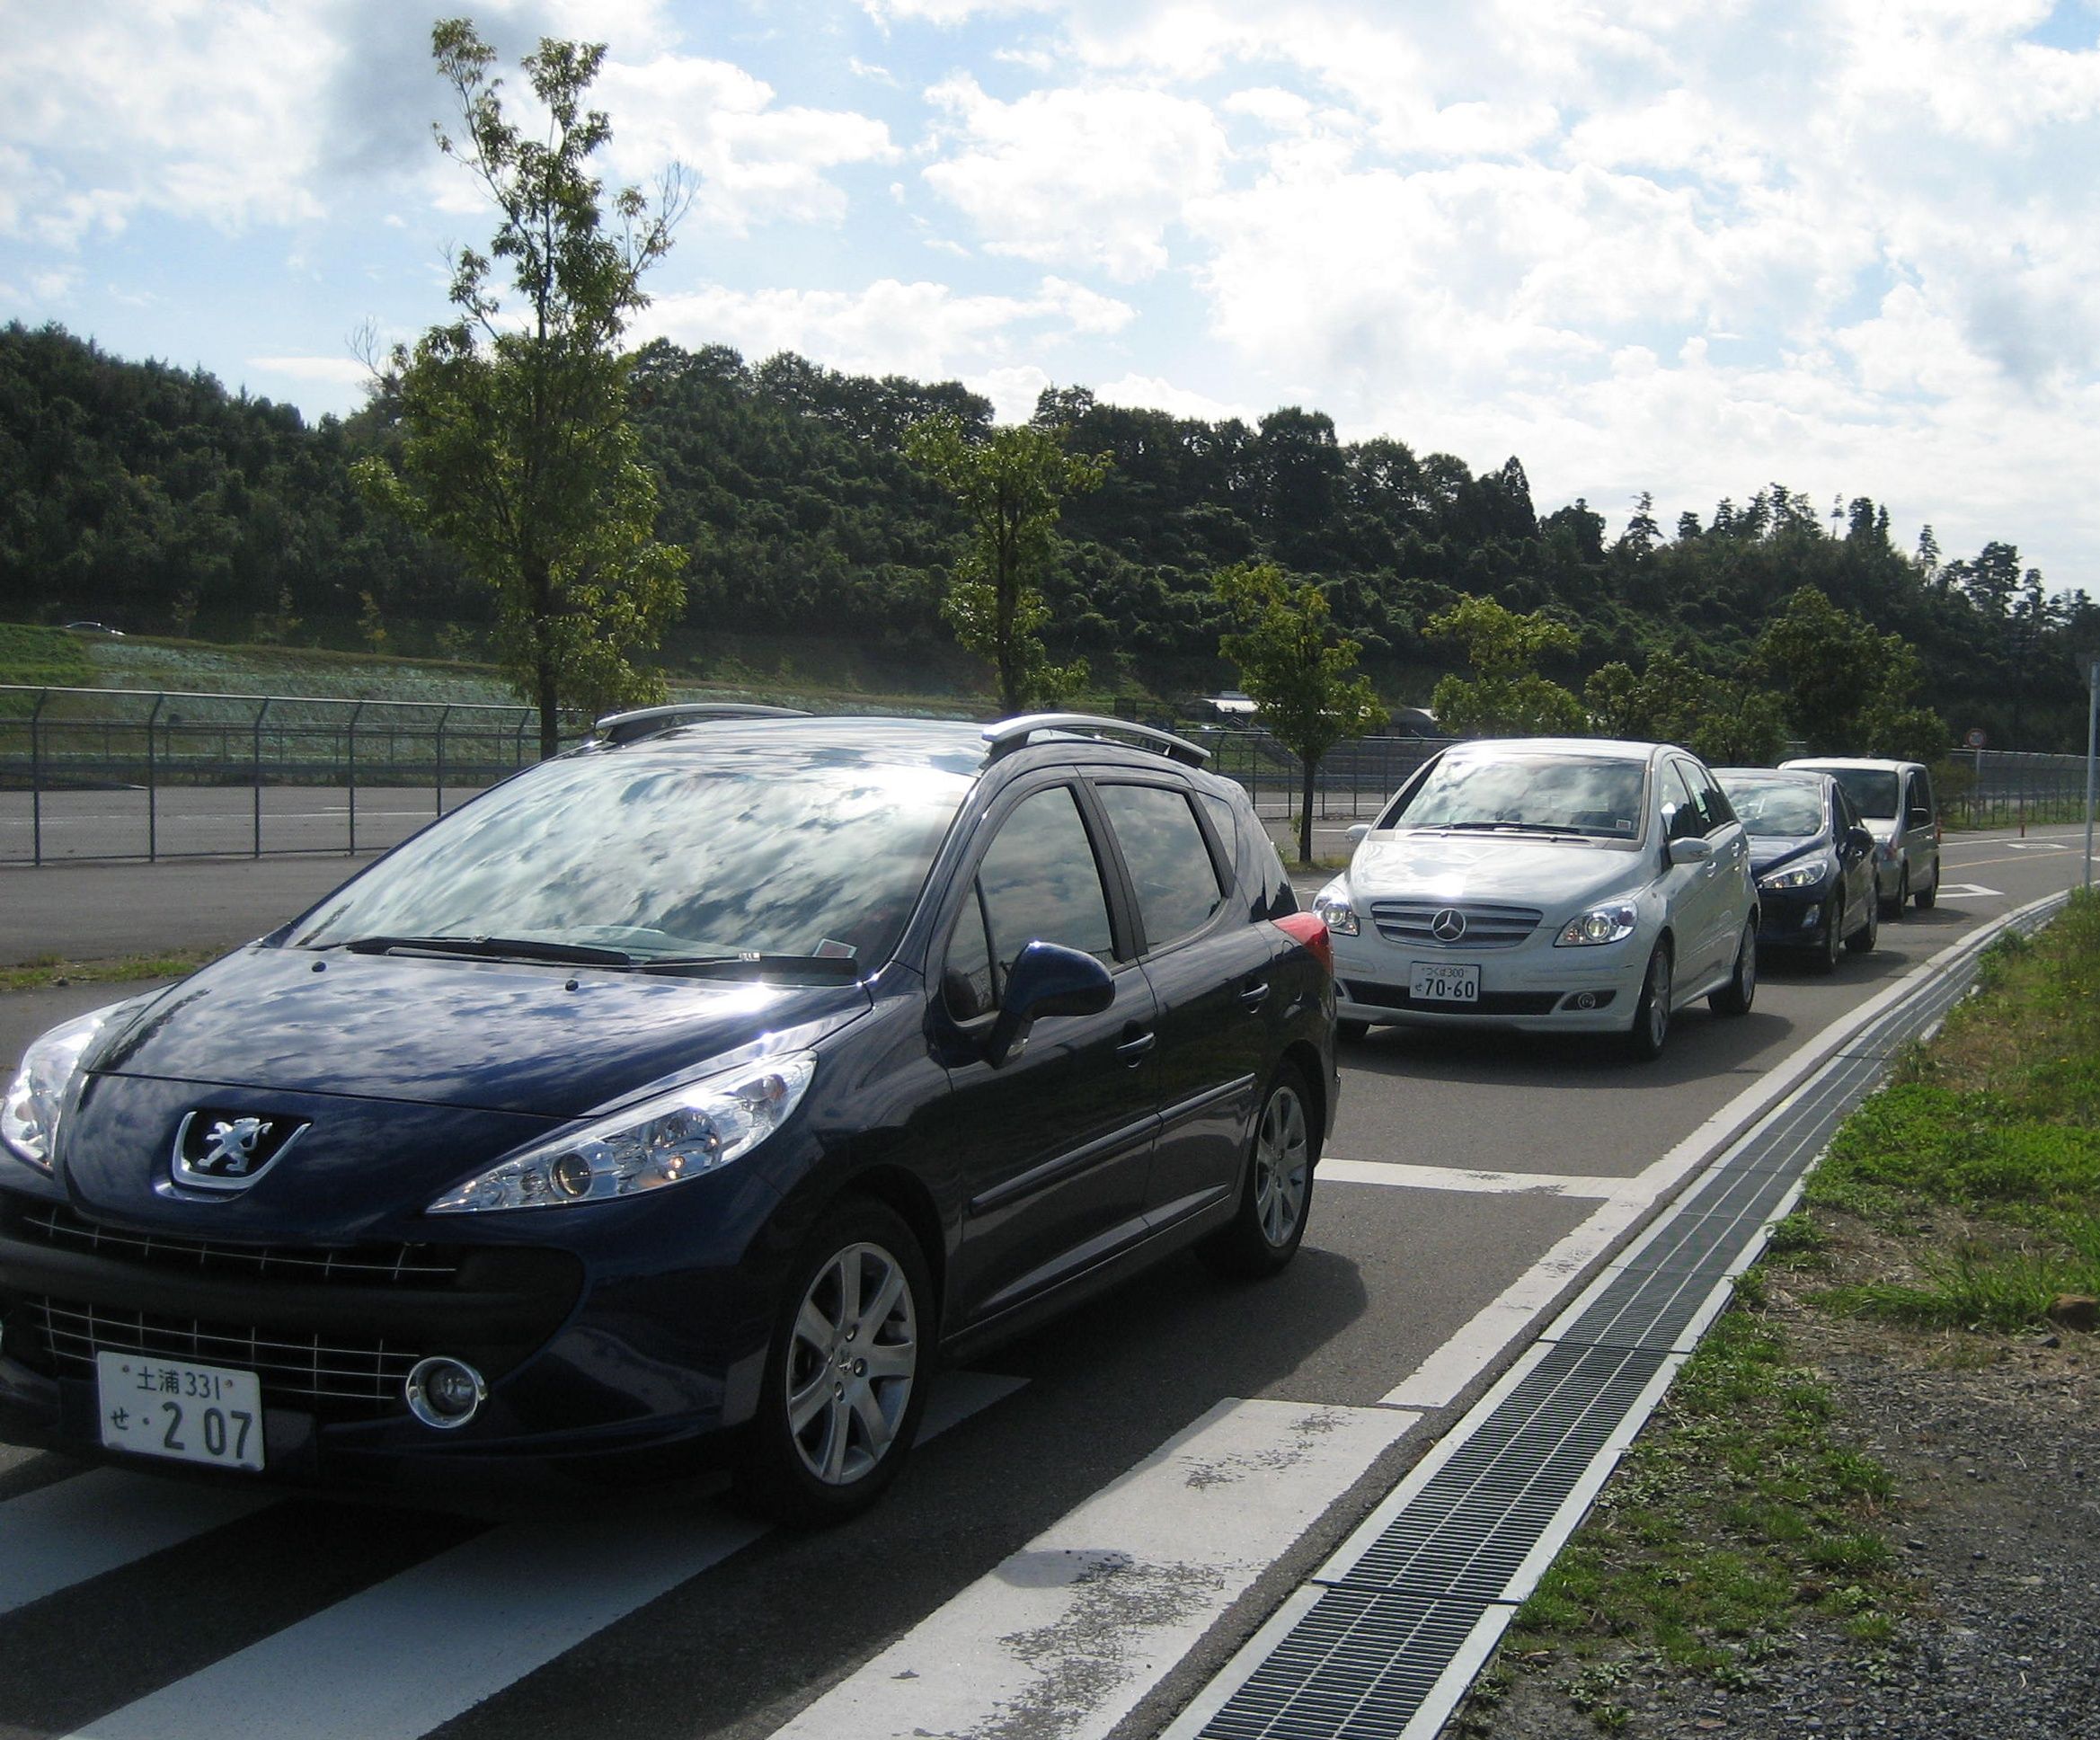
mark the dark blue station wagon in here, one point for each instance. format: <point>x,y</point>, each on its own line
<point>691,1092</point>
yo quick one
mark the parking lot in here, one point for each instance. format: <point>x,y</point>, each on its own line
<point>1192,1446</point>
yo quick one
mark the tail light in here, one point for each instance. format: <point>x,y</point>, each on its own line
<point>1311,929</point>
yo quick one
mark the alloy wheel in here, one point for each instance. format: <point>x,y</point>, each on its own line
<point>852,1363</point>
<point>1282,1152</point>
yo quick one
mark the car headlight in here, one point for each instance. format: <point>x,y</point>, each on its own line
<point>1799,876</point>
<point>43,1087</point>
<point>1601,924</point>
<point>685,1133</point>
<point>1333,906</point>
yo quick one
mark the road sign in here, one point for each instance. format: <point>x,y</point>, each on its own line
<point>1975,739</point>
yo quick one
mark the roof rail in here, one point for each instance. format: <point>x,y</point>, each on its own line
<point>1006,735</point>
<point>646,721</point>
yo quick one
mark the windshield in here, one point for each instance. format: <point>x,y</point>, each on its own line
<point>652,852</point>
<point>1873,790</point>
<point>1591,797</point>
<point>1776,807</point>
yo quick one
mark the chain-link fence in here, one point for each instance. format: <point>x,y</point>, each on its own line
<point>2002,788</point>
<point>100,773</point>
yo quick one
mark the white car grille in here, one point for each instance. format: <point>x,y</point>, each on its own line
<point>1417,923</point>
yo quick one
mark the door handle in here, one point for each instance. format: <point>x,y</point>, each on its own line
<point>1251,996</point>
<point>1133,1049</point>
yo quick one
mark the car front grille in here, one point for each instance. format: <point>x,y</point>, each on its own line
<point>335,1376</point>
<point>372,1265</point>
<point>1487,925</point>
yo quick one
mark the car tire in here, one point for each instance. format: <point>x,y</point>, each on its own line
<point>817,1451</point>
<point>1862,941</point>
<point>1824,961</point>
<point>1651,1029</point>
<point>1924,898</point>
<point>1350,1029</point>
<point>1740,991</point>
<point>1894,909</point>
<point>1276,1197</point>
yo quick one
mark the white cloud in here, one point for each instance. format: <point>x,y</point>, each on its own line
<point>342,371</point>
<point>1086,177</point>
<point>757,160</point>
<point>1150,392</point>
<point>922,329</point>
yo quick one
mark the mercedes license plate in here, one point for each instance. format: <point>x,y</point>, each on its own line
<point>1434,982</point>
<point>186,1413</point>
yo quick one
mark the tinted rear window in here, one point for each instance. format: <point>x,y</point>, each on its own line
<point>1164,849</point>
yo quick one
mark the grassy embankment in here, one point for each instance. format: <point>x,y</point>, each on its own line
<point>1962,1206</point>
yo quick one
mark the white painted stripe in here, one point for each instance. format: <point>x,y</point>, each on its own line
<point>396,1660</point>
<point>1406,1176</point>
<point>1070,1632</point>
<point>1974,890</point>
<point>77,1529</point>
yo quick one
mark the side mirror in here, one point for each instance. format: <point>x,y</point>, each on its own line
<point>1693,848</point>
<point>1359,831</point>
<point>1859,840</point>
<point>1047,979</point>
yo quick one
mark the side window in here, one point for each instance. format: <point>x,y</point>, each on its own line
<point>1039,883</point>
<point>1169,862</point>
<point>1714,800</point>
<point>1687,823</point>
<point>1920,798</point>
<point>966,982</point>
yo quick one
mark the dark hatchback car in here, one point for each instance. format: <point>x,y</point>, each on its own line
<point>689,1092</point>
<point>1813,858</point>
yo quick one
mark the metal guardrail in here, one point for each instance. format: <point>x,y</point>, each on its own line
<point>151,774</point>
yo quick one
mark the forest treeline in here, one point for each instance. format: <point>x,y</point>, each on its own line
<point>152,498</point>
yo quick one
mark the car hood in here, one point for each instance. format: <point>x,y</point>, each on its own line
<point>493,1037</point>
<point>1546,874</point>
<point>1772,851</point>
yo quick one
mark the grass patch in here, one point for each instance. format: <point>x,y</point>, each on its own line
<point>50,974</point>
<point>1736,1510</point>
<point>29,655</point>
<point>1983,1154</point>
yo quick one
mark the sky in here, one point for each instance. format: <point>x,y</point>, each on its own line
<point>1691,247</point>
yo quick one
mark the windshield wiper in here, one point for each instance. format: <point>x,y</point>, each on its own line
<point>841,967</point>
<point>1514,827</point>
<point>494,948</point>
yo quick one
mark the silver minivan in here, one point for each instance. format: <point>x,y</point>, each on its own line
<point>1894,799</point>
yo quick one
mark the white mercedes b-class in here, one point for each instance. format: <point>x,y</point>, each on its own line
<point>1553,884</point>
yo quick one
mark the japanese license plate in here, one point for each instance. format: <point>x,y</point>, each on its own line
<point>186,1413</point>
<point>1433,982</point>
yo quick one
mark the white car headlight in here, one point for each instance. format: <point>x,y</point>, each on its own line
<point>685,1133</point>
<point>1601,924</point>
<point>1798,875</point>
<point>43,1087</point>
<point>1335,910</point>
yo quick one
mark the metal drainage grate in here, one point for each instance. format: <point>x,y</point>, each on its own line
<point>1356,1666</point>
<point>1481,1513</point>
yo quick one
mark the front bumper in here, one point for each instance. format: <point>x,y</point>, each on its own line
<point>1535,988</point>
<point>584,1357</point>
<point>1792,917</point>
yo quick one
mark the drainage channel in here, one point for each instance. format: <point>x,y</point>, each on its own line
<point>1384,1639</point>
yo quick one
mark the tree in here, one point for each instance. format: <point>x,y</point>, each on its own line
<point>1009,484</point>
<point>1846,688</point>
<point>517,452</point>
<point>1508,696</point>
<point>1310,692</point>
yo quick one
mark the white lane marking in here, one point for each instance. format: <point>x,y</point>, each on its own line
<point>79,1527</point>
<point>1405,1176</point>
<point>1067,1635</point>
<point>399,1658</point>
<point>2035,846</point>
<point>1974,891</point>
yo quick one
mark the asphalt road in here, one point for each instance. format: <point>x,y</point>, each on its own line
<point>1121,1499</point>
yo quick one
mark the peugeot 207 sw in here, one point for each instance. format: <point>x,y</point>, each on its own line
<point>693,1089</point>
<point>1562,885</point>
<point>1813,859</point>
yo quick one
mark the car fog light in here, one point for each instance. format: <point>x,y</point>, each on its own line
<point>445,1393</point>
<point>1586,999</point>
